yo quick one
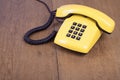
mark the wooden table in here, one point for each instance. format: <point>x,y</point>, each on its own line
<point>21,61</point>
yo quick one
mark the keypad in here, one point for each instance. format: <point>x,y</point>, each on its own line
<point>76,31</point>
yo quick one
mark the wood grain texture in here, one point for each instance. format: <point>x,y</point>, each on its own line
<point>18,60</point>
<point>21,61</point>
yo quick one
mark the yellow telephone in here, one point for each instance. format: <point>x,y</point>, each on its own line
<point>80,30</point>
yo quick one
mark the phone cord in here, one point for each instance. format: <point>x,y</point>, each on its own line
<point>40,28</point>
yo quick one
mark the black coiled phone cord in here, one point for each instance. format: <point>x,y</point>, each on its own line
<point>40,28</point>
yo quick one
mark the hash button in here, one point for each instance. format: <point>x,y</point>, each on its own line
<point>78,38</point>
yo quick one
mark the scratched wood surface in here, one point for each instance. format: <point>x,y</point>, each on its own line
<point>21,61</point>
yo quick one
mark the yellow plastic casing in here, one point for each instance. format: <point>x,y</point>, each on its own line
<point>104,22</point>
<point>88,38</point>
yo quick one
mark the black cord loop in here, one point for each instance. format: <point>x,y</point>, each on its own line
<point>40,28</point>
<point>45,5</point>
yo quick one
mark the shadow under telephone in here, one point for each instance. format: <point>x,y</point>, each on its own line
<point>80,30</point>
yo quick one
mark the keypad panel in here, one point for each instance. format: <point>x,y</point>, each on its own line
<point>76,31</point>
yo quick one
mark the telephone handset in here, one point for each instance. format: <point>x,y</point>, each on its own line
<point>80,30</point>
<point>104,22</point>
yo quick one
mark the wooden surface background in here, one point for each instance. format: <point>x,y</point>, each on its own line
<point>21,61</point>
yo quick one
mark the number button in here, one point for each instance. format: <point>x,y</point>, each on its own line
<point>68,35</point>
<point>84,26</point>
<point>72,27</point>
<point>78,38</point>
<point>73,36</point>
<point>75,32</point>
<point>77,29</point>
<point>80,34</point>
<point>70,31</point>
<point>82,30</point>
<point>74,23</point>
<point>79,25</point>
